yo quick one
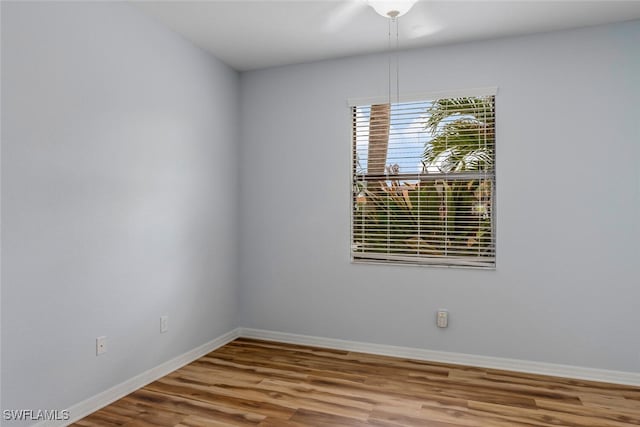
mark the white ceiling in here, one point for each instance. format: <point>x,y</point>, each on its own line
<point>257,34</point>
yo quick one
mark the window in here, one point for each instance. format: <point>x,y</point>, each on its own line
<point>423,181</point>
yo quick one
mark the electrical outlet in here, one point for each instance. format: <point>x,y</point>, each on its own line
<point>101,345</point>
<point>164,324</point>
<point>442,318</point>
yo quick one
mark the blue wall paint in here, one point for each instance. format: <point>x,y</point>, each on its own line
<point>119,152</point>
<point>566,286</point>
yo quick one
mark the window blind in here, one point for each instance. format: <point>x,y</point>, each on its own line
<point>423,182</point>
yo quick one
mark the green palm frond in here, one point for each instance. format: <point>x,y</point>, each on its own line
<point>443,109</point>
<point>463,135</point>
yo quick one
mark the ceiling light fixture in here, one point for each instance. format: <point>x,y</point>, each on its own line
<point>391,8</point>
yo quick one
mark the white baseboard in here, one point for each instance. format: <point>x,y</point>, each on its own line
<point>92,404</point>
<point>565,371</point>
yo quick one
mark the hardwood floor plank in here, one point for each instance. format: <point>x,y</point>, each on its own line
<point>197,421</point>
<point>323,419</point>
<point>186,406</point>
<point>611,402</point>
<point>624,415</point>
<point>422,418</point>
<point>220,396</point>
<point>543,416</point>
<point>270,422</point>
<point>268,384</point>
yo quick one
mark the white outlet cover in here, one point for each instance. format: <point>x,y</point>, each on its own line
<point>442,318</point>
<point>164,324</point>
<point>101,345</point>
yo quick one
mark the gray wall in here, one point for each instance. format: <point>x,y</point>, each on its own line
<point>119,164</point>
<point>568,202</point>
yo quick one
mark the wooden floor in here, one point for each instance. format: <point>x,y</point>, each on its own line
<point>259,383</point>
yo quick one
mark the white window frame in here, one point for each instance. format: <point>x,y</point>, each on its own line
<point>438,261</point>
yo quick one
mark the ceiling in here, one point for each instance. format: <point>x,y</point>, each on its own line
<point>249,35</point>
